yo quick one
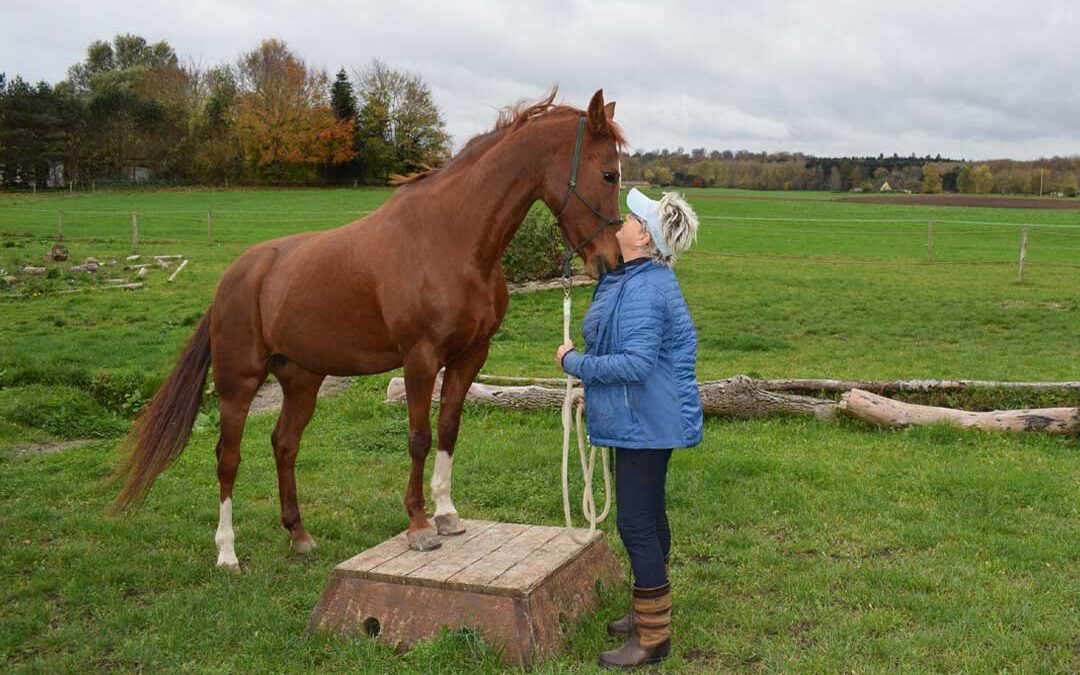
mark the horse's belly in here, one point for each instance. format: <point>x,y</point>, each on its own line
<point>335,342</point>
<point>346,363</point>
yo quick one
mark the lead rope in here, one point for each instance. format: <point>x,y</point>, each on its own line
<point>573,407</point>
<point>576,398</point>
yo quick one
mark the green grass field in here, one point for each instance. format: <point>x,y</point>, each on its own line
<point>798,545</point>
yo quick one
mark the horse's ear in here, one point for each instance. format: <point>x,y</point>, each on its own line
<point>609,111</point>
<point>599,121</point>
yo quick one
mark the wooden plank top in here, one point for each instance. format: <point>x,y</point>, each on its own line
<point>491,557</point>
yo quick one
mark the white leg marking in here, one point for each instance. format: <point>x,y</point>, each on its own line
<point>440,483</point>
<point>224,538</point>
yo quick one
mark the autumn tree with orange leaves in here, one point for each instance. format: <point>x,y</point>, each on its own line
<point>282,116</point>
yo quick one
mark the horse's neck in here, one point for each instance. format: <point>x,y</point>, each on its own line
<point>493,196</point>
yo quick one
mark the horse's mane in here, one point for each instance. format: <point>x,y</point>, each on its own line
<point>508,119</point>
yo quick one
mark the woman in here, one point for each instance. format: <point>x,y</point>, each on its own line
<point>641,398</point>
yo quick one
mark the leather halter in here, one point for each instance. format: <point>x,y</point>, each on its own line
<point>571,190</point>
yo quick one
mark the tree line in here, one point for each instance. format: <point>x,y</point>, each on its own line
<point>795,171</point>
<point>131,111</point>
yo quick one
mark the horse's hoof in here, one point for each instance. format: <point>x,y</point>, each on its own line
<point>449,525</point>
<point>303,545</point>
<point>424,540</point>
<point>231,566</point>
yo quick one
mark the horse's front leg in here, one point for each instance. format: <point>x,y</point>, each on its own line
<point>421,367</point>
<point>458,377</point>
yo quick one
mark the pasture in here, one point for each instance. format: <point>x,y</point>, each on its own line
<point>798,545</point>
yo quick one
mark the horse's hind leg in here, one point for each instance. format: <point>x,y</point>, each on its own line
<point>301,390</point>
<point>236,392</point>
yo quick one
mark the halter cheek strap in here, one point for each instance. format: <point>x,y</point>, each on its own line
<point>572,191</point>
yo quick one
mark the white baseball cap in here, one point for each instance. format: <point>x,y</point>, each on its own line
<point>648,211</point>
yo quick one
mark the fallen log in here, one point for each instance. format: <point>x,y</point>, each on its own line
<point>516,379</point>
<point>547,285</point>
<point>734,397</point>
<point>739,396</point>
<point>813,386</point>
<point>70,291</point>
<point>182,266</point>
<point>528,397</point>
<point>896,386</point>
<point>886,412</point>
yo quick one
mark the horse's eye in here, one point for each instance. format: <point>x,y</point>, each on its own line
<point>611,177</point>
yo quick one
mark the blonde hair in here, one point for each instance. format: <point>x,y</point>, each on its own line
<point>678,226</point>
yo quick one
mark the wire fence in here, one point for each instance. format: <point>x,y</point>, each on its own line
<point>780,238</point>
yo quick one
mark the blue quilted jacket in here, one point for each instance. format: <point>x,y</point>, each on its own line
<point>638,367</point>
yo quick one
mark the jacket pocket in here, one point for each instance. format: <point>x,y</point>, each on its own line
<point>630,399</point>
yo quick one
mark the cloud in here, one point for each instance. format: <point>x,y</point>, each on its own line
<point>963,78</point>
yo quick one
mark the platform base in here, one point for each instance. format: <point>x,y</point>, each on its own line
<point>516,584</point>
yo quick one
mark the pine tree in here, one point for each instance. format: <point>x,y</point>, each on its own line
<point>342,97</point>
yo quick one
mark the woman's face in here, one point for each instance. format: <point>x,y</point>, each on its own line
<point>633,236</point>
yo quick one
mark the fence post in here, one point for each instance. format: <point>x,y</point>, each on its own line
<point>60,225</point>
<point>135,231</point>
<point>1023,252</point>
<point>209,226</point>
<point>930,241</point>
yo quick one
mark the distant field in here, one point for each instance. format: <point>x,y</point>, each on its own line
<point>991,201</point>
<point>803,287</point>
<point>799,545</point>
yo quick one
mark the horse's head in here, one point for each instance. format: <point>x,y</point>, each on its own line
<point>582,185</point>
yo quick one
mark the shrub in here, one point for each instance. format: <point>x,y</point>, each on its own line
<point>65,412</point>
<point>536,251</point>
<point>124,391</point>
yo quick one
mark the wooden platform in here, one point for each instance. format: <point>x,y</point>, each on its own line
<point>514,583</point>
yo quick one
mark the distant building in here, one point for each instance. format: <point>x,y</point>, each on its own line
<point>885,187</point>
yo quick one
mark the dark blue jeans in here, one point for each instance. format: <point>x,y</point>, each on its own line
<point>641,512</point>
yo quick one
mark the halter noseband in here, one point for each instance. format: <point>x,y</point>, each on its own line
<point>571,190</point>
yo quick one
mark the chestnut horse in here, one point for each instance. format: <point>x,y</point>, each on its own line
<point>417,283</point>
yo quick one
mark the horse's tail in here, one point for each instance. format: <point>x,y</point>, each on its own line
<point>161,431</point>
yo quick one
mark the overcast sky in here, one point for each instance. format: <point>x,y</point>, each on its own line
<point>976,80</point>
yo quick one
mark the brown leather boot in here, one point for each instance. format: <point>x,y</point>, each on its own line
<point>651,639</point>
<point>624,625</point>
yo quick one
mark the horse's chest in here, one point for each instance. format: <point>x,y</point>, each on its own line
<point>484,312</point>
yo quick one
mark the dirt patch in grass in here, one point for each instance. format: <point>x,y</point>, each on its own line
<point>971,200</point>
<point>269,397</point>
<point>702,657</point>
<point>1023,304</point>
<point>49,447</point>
